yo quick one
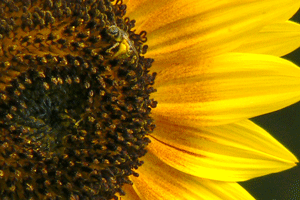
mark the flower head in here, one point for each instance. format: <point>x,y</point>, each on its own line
<point>77,96</point>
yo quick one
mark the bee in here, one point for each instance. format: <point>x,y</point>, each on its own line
<point>126,46</point>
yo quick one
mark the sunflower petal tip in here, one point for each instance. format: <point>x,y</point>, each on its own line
<point>291,158</point>
<point>296,161</point>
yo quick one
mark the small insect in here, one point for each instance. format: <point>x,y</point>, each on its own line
<point>126,46</point>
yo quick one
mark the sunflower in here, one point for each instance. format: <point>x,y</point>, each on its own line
<point>79,91</point>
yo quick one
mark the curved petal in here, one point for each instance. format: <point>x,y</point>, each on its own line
<point>226,88</point>
<point>130,193</point>
<point>210,27</point>
<point>161,182</point>
<point>232,152</point>
<point>276,39</point>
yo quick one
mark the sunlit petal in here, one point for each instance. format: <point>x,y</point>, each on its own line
<point>161,182</point>
<point>232,152</point>
<point>276,39</point>
<point>207,27</point>
<point>226,88</point>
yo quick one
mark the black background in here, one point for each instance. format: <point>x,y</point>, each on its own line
<point>284,125</point>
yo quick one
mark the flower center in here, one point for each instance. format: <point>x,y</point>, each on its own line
<point>74,99</point>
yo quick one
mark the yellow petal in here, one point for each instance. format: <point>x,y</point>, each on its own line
<point>226,88</point>
<point>130,193</point>
<point>158,181</point>
<point>205,26</point>
<point>276,39</point>
<point>232,152</point>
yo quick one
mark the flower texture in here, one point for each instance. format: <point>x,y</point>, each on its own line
<point>79,86</point>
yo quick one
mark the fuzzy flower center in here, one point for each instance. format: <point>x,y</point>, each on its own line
<point>74,99</point>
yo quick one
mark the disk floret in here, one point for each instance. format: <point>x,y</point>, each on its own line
<point>74,99</point>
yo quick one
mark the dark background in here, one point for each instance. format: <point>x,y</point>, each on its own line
<point>284,125</point>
